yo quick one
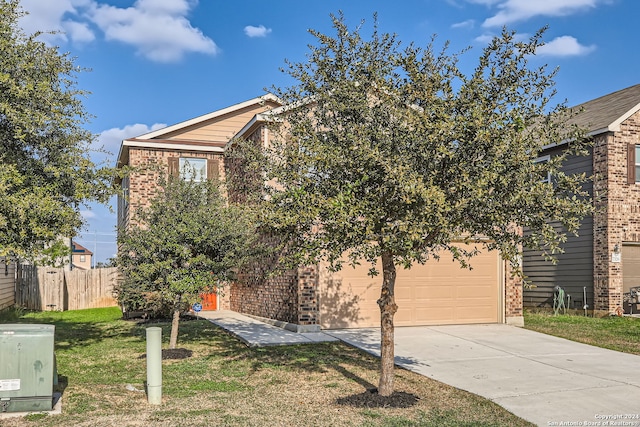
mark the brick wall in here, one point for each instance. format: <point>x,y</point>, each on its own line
<point>273,297</point>
<point>149,164</point>
<point>617,216</point>
<point>512,296</point>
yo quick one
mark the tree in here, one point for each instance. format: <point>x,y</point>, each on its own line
<point>46,173</point>
<point>394,153</point>
<point>187,242</point>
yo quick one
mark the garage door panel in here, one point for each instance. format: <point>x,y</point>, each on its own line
<point>630,266</point>
<point>438,292</point>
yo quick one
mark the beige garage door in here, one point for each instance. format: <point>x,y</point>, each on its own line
<point>437,293</point>
<point>630,266</point>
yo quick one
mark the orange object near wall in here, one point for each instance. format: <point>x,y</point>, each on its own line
<point>209,302</point>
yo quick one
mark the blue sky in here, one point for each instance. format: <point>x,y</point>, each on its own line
<point>158,62</point>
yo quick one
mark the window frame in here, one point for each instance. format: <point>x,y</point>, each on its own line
<point>544,159</point>
<point>183,162</point>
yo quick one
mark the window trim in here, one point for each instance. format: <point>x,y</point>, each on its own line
<point>544,159</point>
<point>633,162</point>
<point>199,177</point>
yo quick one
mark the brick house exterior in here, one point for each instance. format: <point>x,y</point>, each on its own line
<point>601,263</point>
<point>291,297</point>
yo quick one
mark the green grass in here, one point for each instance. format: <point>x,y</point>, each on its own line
<point>615,333</point>
<point>227,383</point>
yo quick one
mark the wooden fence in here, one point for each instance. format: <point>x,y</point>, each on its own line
<point>47,288</point>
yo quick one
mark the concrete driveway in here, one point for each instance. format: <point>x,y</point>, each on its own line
<point>547,380</point>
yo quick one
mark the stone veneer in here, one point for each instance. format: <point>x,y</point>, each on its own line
<point>617,215</point>
<point>289,296</point>
<point>148,165</point>
<point>512,297</point>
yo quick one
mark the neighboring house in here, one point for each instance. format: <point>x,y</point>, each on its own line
<point>7,283</point>
<point>438,292</point>
<point>81,257</point>
<point>603,262</point>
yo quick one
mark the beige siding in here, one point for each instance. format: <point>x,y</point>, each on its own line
<point>220,129</point>
<point>437,293</point>
<point>7,284</point>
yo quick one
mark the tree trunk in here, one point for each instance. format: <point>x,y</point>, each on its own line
<point>174,329</point>
<point>388,309</point>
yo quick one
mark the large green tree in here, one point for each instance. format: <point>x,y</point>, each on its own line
<point>46,173</point>
<point>394,153</point>
<point>187,242</point>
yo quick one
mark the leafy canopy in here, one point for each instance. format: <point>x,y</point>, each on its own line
<point>46,173</point>
<point>394,150</point>
<point>188,241</point>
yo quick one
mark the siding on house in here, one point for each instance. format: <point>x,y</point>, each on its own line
<point>574,269</point>
<point>221,129</point>
<point>7,283</point>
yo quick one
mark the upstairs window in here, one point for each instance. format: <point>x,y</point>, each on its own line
<point>194,168</point>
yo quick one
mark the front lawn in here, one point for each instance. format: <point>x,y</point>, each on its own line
<point>615,333</point>
<point>226,383</point>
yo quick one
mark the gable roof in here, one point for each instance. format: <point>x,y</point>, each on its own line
<point>78,249</point>
<point>205,117</point>
<point>605,114</point>
<point>162,138</point>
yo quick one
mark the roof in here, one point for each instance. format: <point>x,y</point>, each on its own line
<point>605,114</point>
<point>78,249</point>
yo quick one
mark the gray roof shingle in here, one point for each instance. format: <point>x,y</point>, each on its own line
<point>602,114</point>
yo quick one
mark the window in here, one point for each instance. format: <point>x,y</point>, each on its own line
<point>193,169</point>
<point>545,176</point>
<point>83,258</point>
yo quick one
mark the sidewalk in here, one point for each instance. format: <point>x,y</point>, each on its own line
<point>256,333</point>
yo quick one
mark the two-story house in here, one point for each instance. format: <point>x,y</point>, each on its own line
<point>439,292</point>
<point>602,263</point>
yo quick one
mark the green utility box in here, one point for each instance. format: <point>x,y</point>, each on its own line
<point>27,367</point>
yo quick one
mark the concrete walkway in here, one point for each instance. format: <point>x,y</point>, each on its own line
<point>546,380</point>
<point>256,333</point>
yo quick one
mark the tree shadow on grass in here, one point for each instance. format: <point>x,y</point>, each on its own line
<point>304,358</point>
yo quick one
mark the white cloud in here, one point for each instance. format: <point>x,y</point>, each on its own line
<point>79,31</point>
<point>521,10</point>
<point>111,139</point>
<point>55,16</point>
<point>158,29</point>
<point>259,31</point>
<point>87,214</point>
<point>564,46</point>
<point>484,38</point>
<point>469,23</point>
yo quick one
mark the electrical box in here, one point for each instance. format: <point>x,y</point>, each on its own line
<point>27,367</point>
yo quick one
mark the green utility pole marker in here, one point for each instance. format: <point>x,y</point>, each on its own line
<point>154,365</point>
